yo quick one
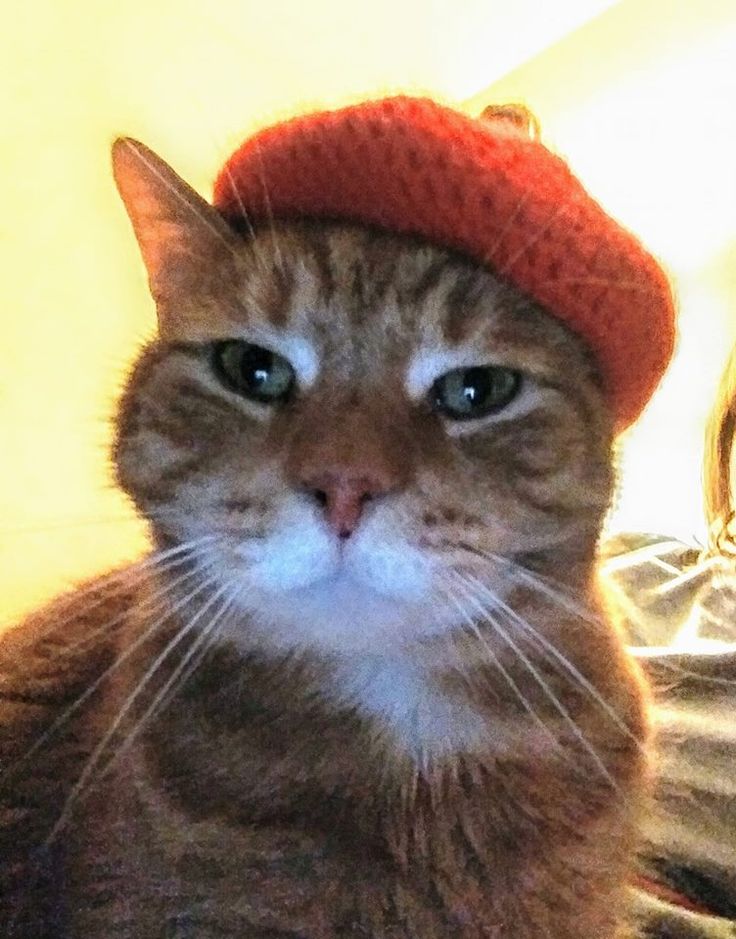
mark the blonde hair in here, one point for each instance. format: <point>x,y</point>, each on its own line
<point>720,510</point>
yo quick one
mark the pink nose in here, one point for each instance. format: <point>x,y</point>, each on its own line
<point>343,495</point>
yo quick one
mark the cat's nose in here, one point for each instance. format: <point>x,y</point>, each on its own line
<point>344,494</point>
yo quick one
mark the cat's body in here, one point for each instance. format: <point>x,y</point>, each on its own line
<point>253,809</point>
<point>367,689</point>
<point>425,788</point>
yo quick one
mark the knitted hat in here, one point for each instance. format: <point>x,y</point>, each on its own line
<point>500,197</point>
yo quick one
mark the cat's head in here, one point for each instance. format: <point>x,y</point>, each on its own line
<point>353,428</point>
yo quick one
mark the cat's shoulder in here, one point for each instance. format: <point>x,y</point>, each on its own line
<point>51,657</point>
<point>48,663</point>
<point>55,646</point>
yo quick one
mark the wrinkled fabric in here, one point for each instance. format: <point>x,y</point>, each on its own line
<point>678,608</point>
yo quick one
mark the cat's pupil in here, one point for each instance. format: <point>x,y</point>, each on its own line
<point>477,385</point>
<point>467,393</point>
<point>255,366</point>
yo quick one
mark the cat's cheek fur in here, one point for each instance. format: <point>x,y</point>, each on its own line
<point>389,563</point>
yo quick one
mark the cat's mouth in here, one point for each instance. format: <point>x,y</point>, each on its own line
<point>348,583</point>
<point>310,558</point>
<point>342,612</point>
<point>351,570</point>
<point>310,589</point>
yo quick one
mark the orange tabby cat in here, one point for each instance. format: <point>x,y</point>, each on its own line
<point>364,686</point>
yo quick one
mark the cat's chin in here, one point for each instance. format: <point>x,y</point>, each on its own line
<point>337,614</point>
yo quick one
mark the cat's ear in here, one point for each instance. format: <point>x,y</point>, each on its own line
<point>188,248</point>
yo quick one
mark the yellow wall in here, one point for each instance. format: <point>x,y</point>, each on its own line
<point>189,78</point>
<point>642,100</point>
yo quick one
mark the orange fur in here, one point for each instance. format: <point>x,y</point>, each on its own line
<point>441,734</point>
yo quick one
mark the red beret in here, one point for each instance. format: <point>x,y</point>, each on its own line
<point>500,197</point>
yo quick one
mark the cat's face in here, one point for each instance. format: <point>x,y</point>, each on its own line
<point>348,423</point>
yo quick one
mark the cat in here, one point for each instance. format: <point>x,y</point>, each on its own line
<point>364,684</point>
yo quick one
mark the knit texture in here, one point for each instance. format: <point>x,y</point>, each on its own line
<point>411,166</point>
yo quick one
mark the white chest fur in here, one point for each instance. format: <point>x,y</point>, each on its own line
<point>405,703</point>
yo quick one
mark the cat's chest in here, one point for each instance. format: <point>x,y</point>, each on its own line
<point>183,877</point>
<point>142,866</point>
<point>408,709</point>
<point>252,726</point>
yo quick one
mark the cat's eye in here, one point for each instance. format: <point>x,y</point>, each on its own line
<point>466,394</point>
<point>252,371</point>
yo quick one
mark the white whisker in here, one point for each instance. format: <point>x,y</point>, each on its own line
<point>544,586</point>
<point>178,677</point>
<point>96,754</point>
<point>473,626</point>
<point>269,211</point>
<point>180,198</point>
<point>169,566</point>
<point>126,578</point>
<point>79,702</point>
<point>510,221</point>
<point>543,685</point>
<point>550,647</point>
<point>204,112</point>
<point>539,233</point>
